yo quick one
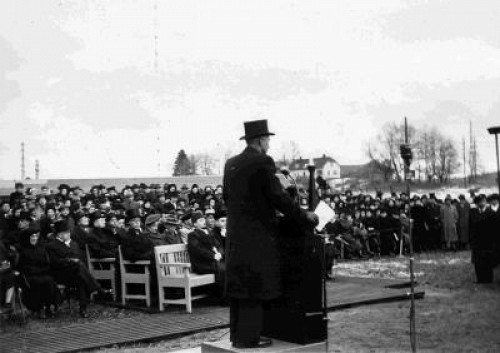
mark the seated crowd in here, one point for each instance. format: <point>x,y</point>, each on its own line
<point>43,235</point>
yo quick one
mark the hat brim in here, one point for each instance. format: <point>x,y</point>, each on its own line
<point>255,136</point>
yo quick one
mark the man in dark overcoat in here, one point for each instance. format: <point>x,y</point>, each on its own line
<point>482,239</point>
<point>68,268</point>
<point>253,195</point>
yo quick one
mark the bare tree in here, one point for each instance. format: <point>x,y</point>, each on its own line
<point>205,163</point>
<point>387,148</point>
<point>288,151</point>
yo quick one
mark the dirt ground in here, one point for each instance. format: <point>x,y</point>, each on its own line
<point>456,314</point>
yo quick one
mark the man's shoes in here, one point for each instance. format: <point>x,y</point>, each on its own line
<point>261,343</point>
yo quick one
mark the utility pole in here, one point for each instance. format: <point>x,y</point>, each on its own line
<point>465,165</point>
<point>407,156</point>
<point>23,169</point>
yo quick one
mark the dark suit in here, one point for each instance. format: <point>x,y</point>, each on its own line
<point>102,243</point>
<point>252,194</point>
<point>71,273</point>
<point>482,240</point>
<point>201,253</point>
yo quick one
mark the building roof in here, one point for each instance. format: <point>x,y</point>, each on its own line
<point>302,163</point>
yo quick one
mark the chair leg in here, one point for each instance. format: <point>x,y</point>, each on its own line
<point>124,290</point>
<point>148,294</point>
<point>187,291</point>
<point>161,297</point>
<point>113,287</point>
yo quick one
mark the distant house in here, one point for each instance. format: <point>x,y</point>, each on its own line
<point>326,167</point>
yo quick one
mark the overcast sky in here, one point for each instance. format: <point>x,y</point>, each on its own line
<point>90,85</point>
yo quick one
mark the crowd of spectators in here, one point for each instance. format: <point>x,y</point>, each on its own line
<point>43,234</point>
<point>366,225</point>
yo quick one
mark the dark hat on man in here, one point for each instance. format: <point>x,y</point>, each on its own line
<point>152,218</point>
<point>220,214</point>
<point>63,186</point>
<point>461,197</point>
<point>32,229</point>
<point>61,226</point>
<point>255,128</point>
<point>111,188</point>
<point>493,197</point>
<point>132,213</point>
<point>18,185</point>
<point>96,215</point>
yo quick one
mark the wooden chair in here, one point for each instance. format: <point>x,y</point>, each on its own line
<point>134,273</point>
<point>173,270</point>
<point>102,269</point>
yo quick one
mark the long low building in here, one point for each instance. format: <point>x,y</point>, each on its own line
<point>7,186</point>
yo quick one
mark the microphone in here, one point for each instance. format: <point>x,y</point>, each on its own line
<point>285,172</point>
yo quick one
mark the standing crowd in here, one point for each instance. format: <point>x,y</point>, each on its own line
<point>365,225</point>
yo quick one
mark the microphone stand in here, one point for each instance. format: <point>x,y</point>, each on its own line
<point>311,168</point>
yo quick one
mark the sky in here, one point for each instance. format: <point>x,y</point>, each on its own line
<point>116,88</point>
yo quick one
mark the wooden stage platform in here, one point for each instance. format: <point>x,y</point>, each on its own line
<point>343,292</point>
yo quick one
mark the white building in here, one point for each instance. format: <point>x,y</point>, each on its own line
<point>326,167</point>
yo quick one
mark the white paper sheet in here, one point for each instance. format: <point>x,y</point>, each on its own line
<point>324,213</point>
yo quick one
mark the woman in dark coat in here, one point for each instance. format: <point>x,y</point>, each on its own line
<point>39,291</point>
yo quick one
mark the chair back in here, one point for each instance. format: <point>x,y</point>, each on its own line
<point>171,254</point>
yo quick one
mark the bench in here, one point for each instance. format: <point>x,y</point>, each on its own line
<point>136,272</point>
<point>102,269</point>
<point>173,270</point>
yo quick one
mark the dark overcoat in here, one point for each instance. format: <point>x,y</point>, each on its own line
<point>482,236</point>
<point>253,193</point>
<point>201,253</point>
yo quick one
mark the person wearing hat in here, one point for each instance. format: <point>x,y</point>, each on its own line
<point>39,289</point>
<point>17,195</point>
<point>463,212</point>
<point>152,221</point>
<point>68,267</point>
<point>172,234</point>
<point>220,229</point>
<point>102,244</point>
<point>23,222</point>
<point>81,230</point>
<point>388,230</point>
<point>433,211</point>
<point>482,240</point>
<point>252,195</point>
<point>449,219</point>
<point>137,245</point>
<point>205,253</point>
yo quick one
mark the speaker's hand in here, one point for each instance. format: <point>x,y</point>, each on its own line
<point>312,218</point>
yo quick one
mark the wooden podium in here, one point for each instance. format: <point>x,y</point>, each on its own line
<point>299,315</point>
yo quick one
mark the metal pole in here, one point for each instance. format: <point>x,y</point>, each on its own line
<point>498,163</point>
<point>413,338</point>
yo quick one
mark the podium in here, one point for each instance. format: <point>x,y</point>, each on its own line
<point>299,314</point>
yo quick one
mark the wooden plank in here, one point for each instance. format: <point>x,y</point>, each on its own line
<point>342,293</point>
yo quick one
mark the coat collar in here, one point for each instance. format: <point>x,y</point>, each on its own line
<point>250,150</point>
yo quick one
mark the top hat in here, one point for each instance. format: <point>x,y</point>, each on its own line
<point>255,128</point>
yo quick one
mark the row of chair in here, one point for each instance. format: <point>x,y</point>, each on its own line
<point>173,270</point>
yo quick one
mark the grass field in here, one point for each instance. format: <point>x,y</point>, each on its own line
<point>456,314</point>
